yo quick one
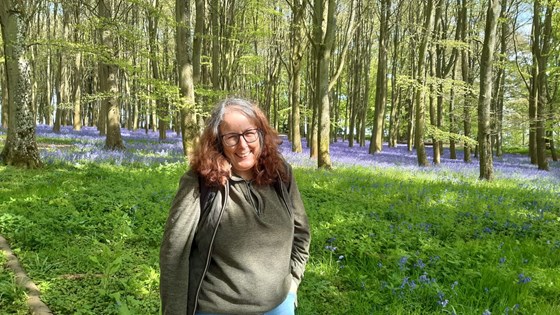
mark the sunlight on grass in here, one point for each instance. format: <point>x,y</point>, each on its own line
<point>388,237</point>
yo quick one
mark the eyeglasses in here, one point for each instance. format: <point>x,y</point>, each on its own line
<point>250,136</point>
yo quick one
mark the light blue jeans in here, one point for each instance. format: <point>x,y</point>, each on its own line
<point>287,307</point>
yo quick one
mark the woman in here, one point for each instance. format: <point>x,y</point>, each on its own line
<point>237,239</point>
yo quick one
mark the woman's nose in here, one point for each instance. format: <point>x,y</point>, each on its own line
<point>242,142</point>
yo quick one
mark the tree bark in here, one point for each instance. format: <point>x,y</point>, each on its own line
<point>376,144</point>
<point>199,33</point>
<point>485,94</point>
<point>20,148</point>
<point>109,78</point>
<point>5,105</point>
<point>325,25</point>
<point>466,73</point>
<point>542,35</point>
<point>77,82</point>
<point>297,46</point>
<point>184,47</point>
<point>419,97</point>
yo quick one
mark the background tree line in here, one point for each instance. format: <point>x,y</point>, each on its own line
<point>457,73</point>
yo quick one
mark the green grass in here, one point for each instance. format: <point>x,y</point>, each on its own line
<point>405,243</point>
<point>12,297</point>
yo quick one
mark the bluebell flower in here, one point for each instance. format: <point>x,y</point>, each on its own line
<point>453,285</point>
<point>442,301</point>
<point>402,261</point>
<point>486,312</point>
<point>523,279</point>
<point>424,278</point>
<point>404,282</point>
<point>502,260</point>
<point>330,248</point>
<point>420,264</point>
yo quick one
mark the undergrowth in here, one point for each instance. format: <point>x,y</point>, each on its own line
<point>384,241</point>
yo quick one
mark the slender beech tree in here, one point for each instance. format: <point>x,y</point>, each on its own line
<point>199,34</point>
<point>152,14</point>
<point>419,96</point>
<point>184,47</point>
<point>215,24</point>
<point>324,27</point>
<point>410,106</point>
<point>61,81</point>
<point>359,72</point>
<point>396,90</point>
<point>498,90</point>
<point>324,34</point>
<point>77,73</point>
<point>467,76</point>
<point>485,94</point>
<point>376,144</point>
<point>108,77</point>
<point>452,116</point>
<point>297,49</point>
<point>20,148</point>
<point>443,64</point>
<point>541,48</point>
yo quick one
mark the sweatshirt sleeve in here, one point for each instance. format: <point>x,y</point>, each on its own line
<point>176,246</point>
<point>302,235</point>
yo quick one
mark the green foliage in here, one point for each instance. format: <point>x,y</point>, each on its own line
<point>438,134</point>
<point>384,241</point>
<point>387,242</point>
<point>12,297</point>
<point>89,236</point>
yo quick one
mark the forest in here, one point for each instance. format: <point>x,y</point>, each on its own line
<point>477,75</point>
<point>423,136</point>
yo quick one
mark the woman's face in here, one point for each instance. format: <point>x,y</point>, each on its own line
<point>241,143</point>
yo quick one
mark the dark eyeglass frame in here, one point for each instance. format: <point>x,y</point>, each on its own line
<point>257,132</point>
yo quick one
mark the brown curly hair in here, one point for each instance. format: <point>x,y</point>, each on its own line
<point>209,161</point>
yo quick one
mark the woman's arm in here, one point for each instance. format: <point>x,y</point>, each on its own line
<point>176,246</point>
<point>302,235</point>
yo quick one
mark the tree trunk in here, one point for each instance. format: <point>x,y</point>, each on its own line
<point>20,148</point>
<point>419,101</point>
<point>184,51</point>
<point>325,25</point>
<point>466,73</point>
<point>77,82</point>
<point>452,117</point>
<point>5,105</point>
<point>394,120</point>
<point>542,36</point>
<point>499,85</point>
<point>376,144</point>
<point>297,46</point>
<point>485,94</point>
<point>198,40</point>
<point>432,107</point>
<point>215,4</point>
<point>108,80</point>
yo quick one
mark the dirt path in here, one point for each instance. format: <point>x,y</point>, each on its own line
<point>36,306</point>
